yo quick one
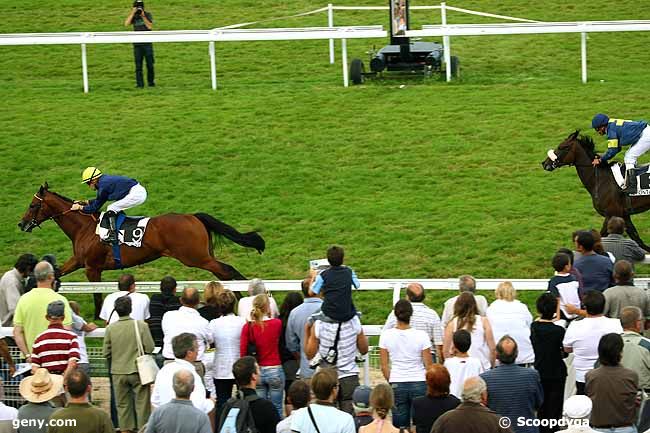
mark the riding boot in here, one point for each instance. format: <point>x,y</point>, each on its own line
<point>630,181</point>
<point>112,230</point>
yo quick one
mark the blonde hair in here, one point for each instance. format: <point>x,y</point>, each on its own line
<point>506,291</point>
<point>211,291</point>
<point>260,309</point>
<point>382,399</point>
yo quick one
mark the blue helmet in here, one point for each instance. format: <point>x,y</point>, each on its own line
<point>599,120</point>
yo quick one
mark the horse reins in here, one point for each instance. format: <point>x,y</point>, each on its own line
<point>53,217</point>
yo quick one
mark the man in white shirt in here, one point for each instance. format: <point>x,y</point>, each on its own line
<point>185,353</point>
<point>582,336</point>
<point>186,319</point>
<point>424,319</point>
<point>8,414</point>
<point>245,305</point>
<point>139,301</point>
<point>12,286</point>
<point>466,283</point>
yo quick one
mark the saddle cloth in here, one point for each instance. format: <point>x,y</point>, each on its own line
<point>130,230</point>
<point>642,178</point>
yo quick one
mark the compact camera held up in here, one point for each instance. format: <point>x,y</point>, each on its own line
<point>139,7</point>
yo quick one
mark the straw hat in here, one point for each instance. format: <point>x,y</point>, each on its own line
<point>41,387</point>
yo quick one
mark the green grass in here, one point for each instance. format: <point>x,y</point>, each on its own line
<point>429,180</point>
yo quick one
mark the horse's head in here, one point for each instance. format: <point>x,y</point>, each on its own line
<point>39,210</point>
<point>565,154</point>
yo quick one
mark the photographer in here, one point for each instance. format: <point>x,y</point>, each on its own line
<point>142,21</point>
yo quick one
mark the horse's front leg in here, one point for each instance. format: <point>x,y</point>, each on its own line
<point>95,275</point>
<point>633,233</point>
<point>70,265</point>
<point>603,229</point>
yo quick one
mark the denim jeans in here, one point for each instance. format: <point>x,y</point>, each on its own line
<point>271,386</point>
<point>630,429</point>
<point>405,393</point>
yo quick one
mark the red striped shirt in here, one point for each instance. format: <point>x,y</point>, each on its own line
<point>54,347</point>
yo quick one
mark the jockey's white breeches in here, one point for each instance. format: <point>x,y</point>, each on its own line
<point>136,196</point>
<point>637,149</point>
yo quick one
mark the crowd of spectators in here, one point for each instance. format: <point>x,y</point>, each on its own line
<point>295,368</point>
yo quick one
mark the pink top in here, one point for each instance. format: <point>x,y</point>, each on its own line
<point>267,339</point>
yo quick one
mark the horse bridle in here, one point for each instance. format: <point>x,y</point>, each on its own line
<point>37,207</point>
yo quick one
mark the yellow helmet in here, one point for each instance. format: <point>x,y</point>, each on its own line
<point>90,173</point>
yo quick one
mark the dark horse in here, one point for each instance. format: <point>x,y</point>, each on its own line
<point>187,238</point>
<point>607,197</point>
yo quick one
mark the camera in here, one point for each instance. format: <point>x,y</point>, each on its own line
<point>139,5</point>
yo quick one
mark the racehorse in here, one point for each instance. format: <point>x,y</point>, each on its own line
<point>607,197</point>
<point>185,237</point>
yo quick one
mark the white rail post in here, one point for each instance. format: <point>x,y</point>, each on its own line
<point>330,23</point>
<point>344,54</point>
<point>445,41</point>
<point>84,67</point>
<point>583,53</point>
<point>213,66</point>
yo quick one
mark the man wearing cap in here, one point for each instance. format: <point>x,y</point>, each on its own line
<point>361,406</point>
<point>124,191</point>
<point>55,349</point>
<point>621,133</point>
<point>39,390</point>
<point>577,410</point>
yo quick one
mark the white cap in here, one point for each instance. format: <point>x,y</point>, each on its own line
<point>577,406</point>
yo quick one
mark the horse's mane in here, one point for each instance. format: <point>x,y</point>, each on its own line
<point>587,143</point>
<point>61,196</point>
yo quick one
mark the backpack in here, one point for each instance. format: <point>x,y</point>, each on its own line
<point>237,416</point>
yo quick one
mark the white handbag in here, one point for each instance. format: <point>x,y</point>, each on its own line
<point>147,367</point>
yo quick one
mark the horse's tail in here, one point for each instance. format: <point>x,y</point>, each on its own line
<point>249,240</point>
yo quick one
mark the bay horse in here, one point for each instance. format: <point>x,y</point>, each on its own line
<point>607,197</point>
<point>185,237</point>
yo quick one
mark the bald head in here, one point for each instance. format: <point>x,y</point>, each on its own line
<point>44,274</point>
<point>632,319</point>
<point>507,350</point>
<point>183,384</point>
<point>415,292</point>
<point>190,297</point>
<point>474,390</point>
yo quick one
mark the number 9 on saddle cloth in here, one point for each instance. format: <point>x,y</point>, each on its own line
<point>129,230</point>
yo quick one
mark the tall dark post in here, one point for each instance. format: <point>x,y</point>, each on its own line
<point>399,23</point>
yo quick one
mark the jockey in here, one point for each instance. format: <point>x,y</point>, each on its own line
<point>125,192</point>
<point>620,133</point>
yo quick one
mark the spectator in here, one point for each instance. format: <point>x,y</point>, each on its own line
<point>577,410</point>
<point>140,301</point>
<point>405,355</point>
<point>6,356</point>
<point>186,351</point>
<point>564,286</point>
<point>361,405</point>
<point>546,338</point>
<point>576,273</point>
<point>29,318</point>
<point>80,327</point>
<point>612,388</point>
<point>290,362</point>
<point>93,419</point>
<point>226,333</point>
<point>245,305</point>
<point>55,349</point>
<point>8,414</point>
<point>295,331</point>
<point>513,391</point>
<point>142,21</point>
<point>335,283</point>
<point>186,319</point>
<point>621,248</point>
<point>461,366</point>
<point>582,336</point>
<point>265,415</point>
<point>472,415</point>
<point>636,349</point>
<point>598,246</point>
<point>466,317</point>
<point>625,293</point>
<point>121,348</point>
<point>596,270</point>
<point>39,390</point>
<point>509,316</point>
<point>427,409</point>
<point>424,318</point>
<point>298,397</point>
<point>322,416</point>
<point>466,283</point>
<point>161,303</point>
<point>12,286</point>
<point>179,415</point>
<point>265,334</point>
<point>381,401</point>
<point>210,308</point>
<point>319,340</point>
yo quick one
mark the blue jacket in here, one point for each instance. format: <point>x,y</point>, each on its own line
<point>622,133</point>
<point>110,188</point>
